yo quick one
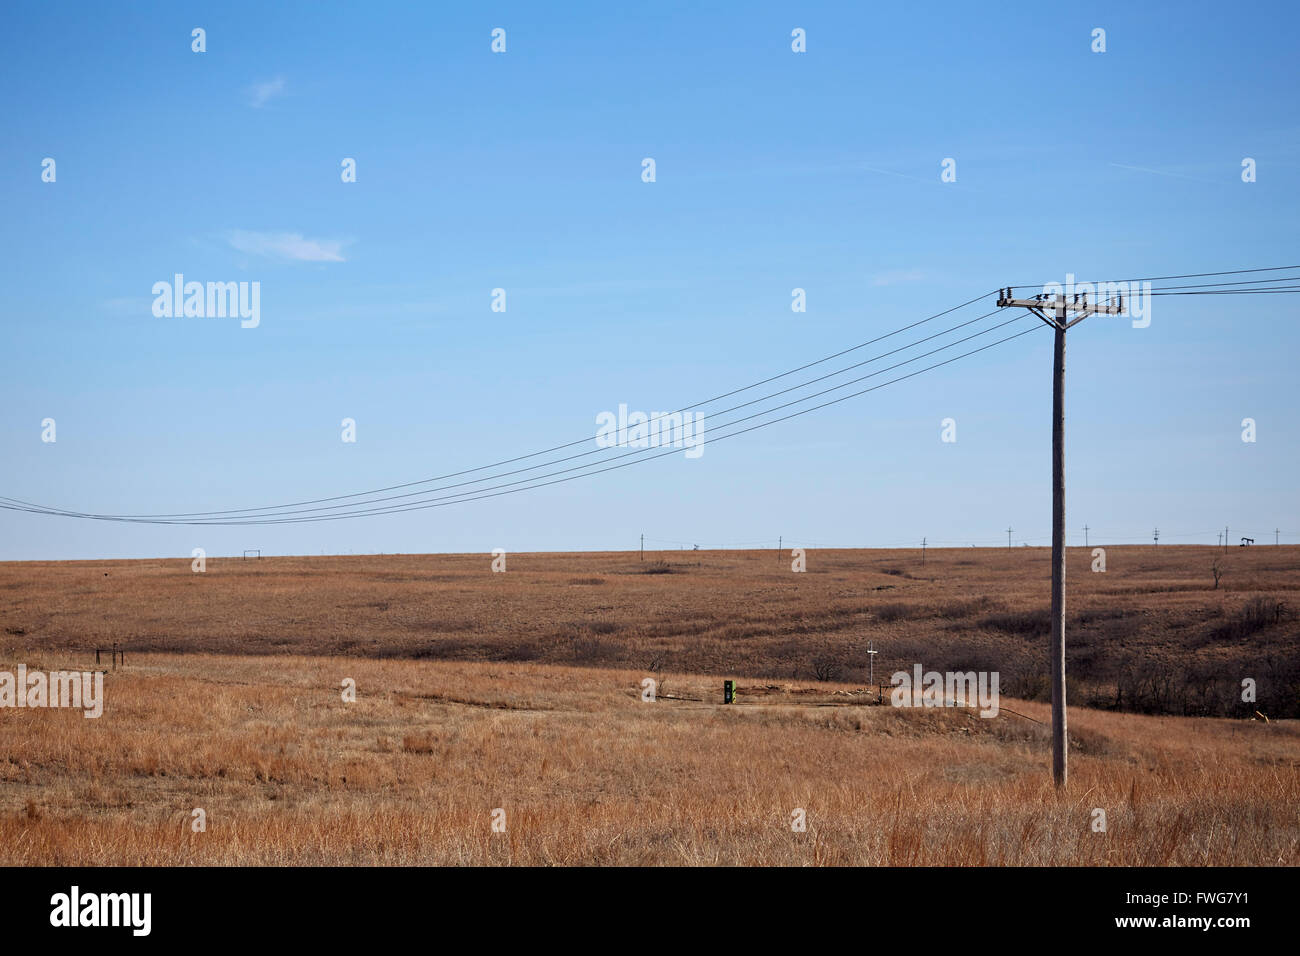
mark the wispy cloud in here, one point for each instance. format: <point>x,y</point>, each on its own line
<point>920,179</point>
<point>890,172</point>
<point>1165,172</point>
<point>126,305</point>
<point>897,276</point>
<point>260,93</point>
<point>292,246</point>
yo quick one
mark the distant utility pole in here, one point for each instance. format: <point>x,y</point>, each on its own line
<point>1225,537</point>
<point>1275,534</point>
<point>642,547</point>
<point>1008,537</point>
<point>1156,534</point>
<point>871,663</point>
<point>923,551</point>
<point>779,540</point>
<point>1059,308</point>
<point>1085,537</point>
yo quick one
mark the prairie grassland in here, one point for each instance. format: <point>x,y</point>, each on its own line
<point>520,691</point>
<point>588,773</point>
<point>1152,634</point>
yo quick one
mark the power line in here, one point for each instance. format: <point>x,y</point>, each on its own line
<point>1234,292</point>
<point>586,438</point>
<point>478,494</point>
<point>475,496</point>
<point>205,517</point>
<point>533,483</point>
<point>1190,275</point>
<point>281,514</point>
<point>721,412</point>
<point>1207,285</point>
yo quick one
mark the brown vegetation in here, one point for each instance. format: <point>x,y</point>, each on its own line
<point>1151,634</point>
<point>588,773</point>
<point>522,691</point>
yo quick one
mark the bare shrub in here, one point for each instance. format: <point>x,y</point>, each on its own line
<point>595,650</point>
<point>895,612</point>
<point>1025,623</point>
<point>827,668</point>
<point>1255,615</point>
<point>960,609</point>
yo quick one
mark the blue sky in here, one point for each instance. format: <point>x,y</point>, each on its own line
<point>775,170</point>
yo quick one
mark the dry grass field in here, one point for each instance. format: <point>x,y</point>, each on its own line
<point>521,691</point>
<point>1151,634</point>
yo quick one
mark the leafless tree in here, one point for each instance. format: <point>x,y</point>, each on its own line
<point>826,668</point>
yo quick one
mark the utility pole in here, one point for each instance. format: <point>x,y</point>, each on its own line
<point>1225,537</point>
<point>779,539</point>
<point>923,550</point>
<point>642,547</point>
<point>1060,308</point>
<point>1008,537</point>
<point>1085,537</point>
<point>1275,534</point>
<point>871,663</point>
<point>1156,534</point>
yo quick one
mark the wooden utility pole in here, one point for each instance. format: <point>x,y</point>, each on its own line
<point>1059,308</point>
<point>779,541</point>
<point>1156,535</point>
<point>1008,537</point>
<point>1060,740</point>
<point>1275,534</point>
<point>642,547</point>
<point>923,551</point>
<point>1085,536</point>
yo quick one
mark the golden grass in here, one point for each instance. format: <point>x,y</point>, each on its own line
<point>1151,634</point>
<point>587,773</point>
